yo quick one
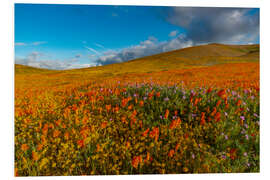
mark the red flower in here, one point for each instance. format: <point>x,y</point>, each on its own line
<point>209,90</point>
<point>222,93</point>
<point>238,102</point>
<point>144,134</point>
<point>233,153</point>
<point>217,116</point>
<point>80,143</point>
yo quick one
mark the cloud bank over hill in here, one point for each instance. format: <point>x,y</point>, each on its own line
<point>145,48</point>
<point>202,25</point>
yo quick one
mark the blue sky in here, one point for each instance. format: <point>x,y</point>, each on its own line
<point>75,36</point>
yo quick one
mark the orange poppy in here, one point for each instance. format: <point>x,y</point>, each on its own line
<point>144,134</point>
<point>24,147</point>
<point>166,114</point>
<point>171,153</point>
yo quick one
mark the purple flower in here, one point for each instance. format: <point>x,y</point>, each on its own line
<point>223,156</point>
<point>226,137</point>
<point>233,93</point>
<point>246,125</point>
<point>161,117</point>
<point>226,114</point>
<point>245,153</point>
<point>166,99</point>
<point>252,97</point>
<point>246,136</point>
<point>193,156</point>
<point>194,115</point>
<point>243,131</point>
<point>135,95</point>
<point>144,98</point>
<point>246,91</point>
<point>256,115</point>
<point>248,165</point>
<point>184,97</point>
<point>242,117</point>
<point>111,119</point>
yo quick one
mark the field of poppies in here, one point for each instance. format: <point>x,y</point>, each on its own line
<point>194,120</point>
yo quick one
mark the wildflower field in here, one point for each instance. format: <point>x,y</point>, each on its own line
<point>202,119</point>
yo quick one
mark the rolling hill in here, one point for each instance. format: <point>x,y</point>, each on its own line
<point>180,60</point>
<point>196,56</point>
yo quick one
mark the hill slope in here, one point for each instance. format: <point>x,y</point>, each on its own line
<point>196,56</point>
<point>192,57</point>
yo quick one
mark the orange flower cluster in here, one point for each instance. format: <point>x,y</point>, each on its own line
<point>154,133</point>
<point>175,123</point>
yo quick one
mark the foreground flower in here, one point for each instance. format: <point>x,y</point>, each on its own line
<point>171,153</point>
<point>80,143</point>
<point>24,147</point>
<point>136,161</point>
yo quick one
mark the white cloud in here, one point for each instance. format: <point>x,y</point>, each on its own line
<point>34,60</point>
<point>145,48</point>
<point>173,33</point>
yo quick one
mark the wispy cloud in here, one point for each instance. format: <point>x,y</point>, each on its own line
<point>36,43</point>
<point>78,56</point>
<point>20,44</point>
<point>92,50</point>
<point>99,45</point>
<point>173,33</point>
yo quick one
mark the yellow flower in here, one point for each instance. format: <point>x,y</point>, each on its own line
<point>185,169</point>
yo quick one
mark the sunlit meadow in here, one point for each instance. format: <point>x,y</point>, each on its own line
<point>194,120</point>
